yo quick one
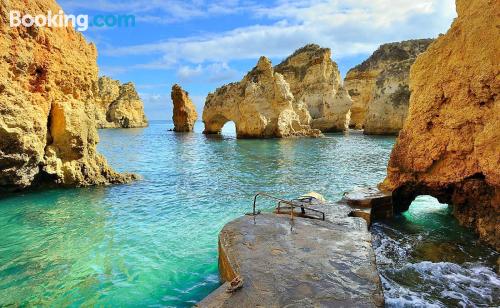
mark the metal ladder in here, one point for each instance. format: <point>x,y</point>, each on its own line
<point>291,204</point>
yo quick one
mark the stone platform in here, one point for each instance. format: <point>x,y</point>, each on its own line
<point>299,263</point>
<point>369,203</point>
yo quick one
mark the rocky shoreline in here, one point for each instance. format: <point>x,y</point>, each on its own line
<point>441,97</point>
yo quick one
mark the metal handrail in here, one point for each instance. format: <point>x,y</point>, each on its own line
<point>292,204</point>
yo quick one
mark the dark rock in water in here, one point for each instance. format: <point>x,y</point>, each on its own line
<point>304,262</point>
<point>369,203</point>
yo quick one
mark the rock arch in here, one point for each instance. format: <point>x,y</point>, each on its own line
<point>448,147</point>
<point>215,124</point>
<point>261,106</point>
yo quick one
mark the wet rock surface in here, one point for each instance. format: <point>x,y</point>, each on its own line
<point>307,262</point>
<point>369,203</point>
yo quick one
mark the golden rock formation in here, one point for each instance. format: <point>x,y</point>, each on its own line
<point>184,114</point>
<point>450,144</point>
<point>261,106</point>
<point>315,82</point>
<point>119,105</point>
<point>48,86</point>
<point>379,87</point>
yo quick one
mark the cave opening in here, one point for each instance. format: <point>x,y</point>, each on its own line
<point>427,210</point>
<point>228,129</point>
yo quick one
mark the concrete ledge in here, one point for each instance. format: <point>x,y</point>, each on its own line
<point>303,263</point>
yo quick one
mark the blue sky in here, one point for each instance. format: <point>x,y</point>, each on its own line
<point>204,44</point>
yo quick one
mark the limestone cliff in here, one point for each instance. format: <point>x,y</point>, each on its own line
<point>118,105</point>
<point>388,108</point>
<point>48,86</point>
<point>382,79</point>
<point>184,114</point>
<point>315,82</point>
<point>450,143</point>
<point>261,106</point>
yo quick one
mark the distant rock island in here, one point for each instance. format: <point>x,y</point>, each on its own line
<point>48,93</point>
<point>184,113</point>
<point>379,87</point>
<point>315,82</point>
<point>302,96</point>
<point>118,105</point>
<point>261,106</point>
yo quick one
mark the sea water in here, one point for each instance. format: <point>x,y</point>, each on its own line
<point>154,242</point>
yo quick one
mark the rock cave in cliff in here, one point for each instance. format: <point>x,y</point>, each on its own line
<point>449,145</point>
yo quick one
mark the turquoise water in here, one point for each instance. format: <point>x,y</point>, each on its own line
<point>154,242</point>
<point>426,259</point>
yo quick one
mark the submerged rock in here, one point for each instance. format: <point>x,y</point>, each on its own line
<point>261,106</point>
<point>48,89</point>
<point>184,114</point>
<point>315,82</point>
<point>379,87</point>
<point>449,146</point>
<point>119,105</point>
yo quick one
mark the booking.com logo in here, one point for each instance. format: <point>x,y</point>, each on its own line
<point>80,22</point>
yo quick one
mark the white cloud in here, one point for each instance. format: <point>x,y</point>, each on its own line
<point>161,11</point>
<point>214,72</point>
<point>349,27</point>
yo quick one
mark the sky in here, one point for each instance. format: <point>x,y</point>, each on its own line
<point>203,44</point>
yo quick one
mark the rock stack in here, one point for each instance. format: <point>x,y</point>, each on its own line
<point>184,114</point>
<point>261,106</point>
<point>315,82</point>
<point>301,96</point>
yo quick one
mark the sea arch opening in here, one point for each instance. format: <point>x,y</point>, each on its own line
<point>229,129</point>
<point>214,124</point>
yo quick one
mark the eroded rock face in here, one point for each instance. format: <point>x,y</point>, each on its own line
<point>388,108</point>
<point>184,115</point>
<point>449,146</point>
<point>48,86</point>
<point>315,82</point>
<point>382,81</point>
<point>261,106</point>
<point>119,105</point>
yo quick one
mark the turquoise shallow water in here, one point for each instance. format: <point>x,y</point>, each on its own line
<point>154,242</point>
